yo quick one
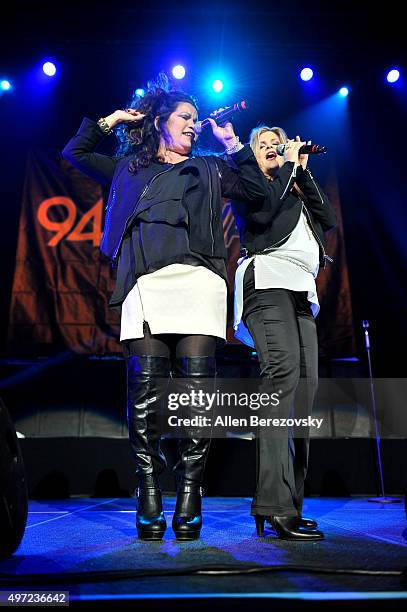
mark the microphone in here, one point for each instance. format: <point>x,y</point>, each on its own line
<point>221,115</point>
<point>313,149</point>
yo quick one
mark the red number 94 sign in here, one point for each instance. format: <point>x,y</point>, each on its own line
<point>66,229</point>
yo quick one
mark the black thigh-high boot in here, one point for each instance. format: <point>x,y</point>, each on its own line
<point>143,416</point>
<point>193,451</point>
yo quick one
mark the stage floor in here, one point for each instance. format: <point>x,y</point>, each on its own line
<point>98,535</point>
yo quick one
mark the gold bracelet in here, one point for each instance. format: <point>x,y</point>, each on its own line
<point>104,126</point>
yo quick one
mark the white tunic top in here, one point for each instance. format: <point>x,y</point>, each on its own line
<point>292,266</point>
<point>177,299</point>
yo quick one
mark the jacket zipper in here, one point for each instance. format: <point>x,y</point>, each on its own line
<point>278,242</point>
<point>143,193</point>
<point>324,255</point>
<point>210,203</point>
<point>316,187</point>
<point>293,173</point>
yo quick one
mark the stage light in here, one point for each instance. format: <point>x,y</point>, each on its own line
<point>140,92</point>
<point>178,72</point>
<point>306,74</point>
<point>393,75</point>
<point>217,86</point>
<point>5,85</point>
<point>344,91</point>
<point>49,68</point>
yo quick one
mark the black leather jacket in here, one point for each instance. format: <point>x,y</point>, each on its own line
<point>185,195</point>
<point>268,224</point>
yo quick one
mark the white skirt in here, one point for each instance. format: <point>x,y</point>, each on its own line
<point>177,299</point>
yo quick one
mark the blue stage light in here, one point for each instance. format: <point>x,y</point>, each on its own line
<point>178,72</point>
<point>140,92</point>
<point>306,74</point>
<point>393,75</point>
<point>217,85</point>
<point>344,91</point>
<point>5,85</point>
<point>49,68</point>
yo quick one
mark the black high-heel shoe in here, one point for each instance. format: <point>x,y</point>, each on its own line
<point>150,519</point>
<point>304,522</point>
<point>288,528</point>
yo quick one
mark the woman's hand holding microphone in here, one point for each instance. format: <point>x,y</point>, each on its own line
<point>292,152</point>
<point>225,134</point>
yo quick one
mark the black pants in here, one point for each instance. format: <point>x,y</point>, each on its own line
<point>284,333</point>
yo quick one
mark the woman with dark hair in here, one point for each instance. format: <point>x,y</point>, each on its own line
<point>276,304</point>
<point>164,232</point>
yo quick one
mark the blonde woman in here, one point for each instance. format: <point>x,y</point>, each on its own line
<point>276,304</point>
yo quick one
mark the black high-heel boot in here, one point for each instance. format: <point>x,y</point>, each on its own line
<point>189,470</point>
<point>150,519</point>
<point>187,520</point>
<point>143,415</point>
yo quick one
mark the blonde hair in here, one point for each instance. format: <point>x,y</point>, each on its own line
<point>255,136</point>
<point>258,131</point>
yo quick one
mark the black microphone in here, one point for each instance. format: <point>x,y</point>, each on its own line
<point>221,115</point>
<point>307,149</point>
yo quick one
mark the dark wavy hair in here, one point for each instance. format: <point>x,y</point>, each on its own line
<point>142,141</point>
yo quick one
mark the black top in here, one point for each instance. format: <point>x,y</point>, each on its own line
<point>173,230</point>
<point>164,213</point>
<point>270,222</point>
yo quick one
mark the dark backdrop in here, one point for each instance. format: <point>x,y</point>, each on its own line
<point>104,54</point>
